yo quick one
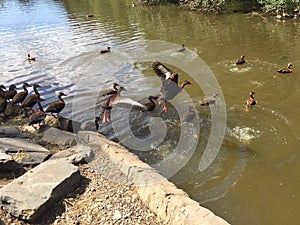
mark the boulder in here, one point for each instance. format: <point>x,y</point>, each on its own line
<point>28,196</point>
<point>78,154</point>
<point>24,151</point>
<point>7,131</point>
<point>9,168</point>
<point>59,137</point>
<point>63,124</point>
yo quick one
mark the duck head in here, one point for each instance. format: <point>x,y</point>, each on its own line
<point>290,65</point>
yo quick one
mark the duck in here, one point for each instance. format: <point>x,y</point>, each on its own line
<point>10,94</point>
<point>150,105</point>
<point>106,50</point>
<point>58,105</point>
<point>170,87</point>
<point>251,101</point>
<point>188,116</point>
<point>209,101</point>
<point>182,49</point>
<point>89,15</point>
<point>296,13</point>
<point>30,58</point>
<point>3,102</point>
<point>38,116</point>
<point>287,69</point>
<point>112,91</point>
<point>285,14</point>
<point>278,15</point>
<point>31,100</point>
<point>241,60</point>
<point>19,97</point>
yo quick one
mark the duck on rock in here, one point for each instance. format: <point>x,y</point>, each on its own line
<point>10,94</point>
<point>170,87</point>
<point>31,100</point>
<point>19,97</point>
<point>58,105</point>
<point>38,116</point>
<point>3,102</point>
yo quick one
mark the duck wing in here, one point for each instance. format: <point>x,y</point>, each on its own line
<point>161,70</point>
<point>56,106</point>
<point>126,102</point>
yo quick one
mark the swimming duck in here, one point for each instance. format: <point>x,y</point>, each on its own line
<point>30,58</point>
<point>19,97</point>
<point>170,87</point>
<point>182,49</point>
<point>106,50</point>
<point>188,116</point>
<point>150,105</point>
<point>285,14</point>
<point>209,101</point>
<point>241,60</point>
<point>3,102</point>
<point>287,69</point>
<point>251,101</point>
<point>38,116</point>
<point>11,92</point>
<point>31,100</point>
<point>112,91</point>
<point>58,105</point>
<point>89,15</point>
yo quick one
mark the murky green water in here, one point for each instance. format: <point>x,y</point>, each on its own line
<point>255,178</point>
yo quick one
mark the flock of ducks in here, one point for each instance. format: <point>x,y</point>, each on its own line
<point>282,14</point>
<point>22,100</point>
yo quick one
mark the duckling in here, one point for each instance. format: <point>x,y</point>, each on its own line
<point>106,50</point>
<point>209,101</point>
<point>251,101</point>
<point>182,49</point>
<point>287,69</point>
<point>241,60</point>
<point>30,58</point>
<point>89,15</point>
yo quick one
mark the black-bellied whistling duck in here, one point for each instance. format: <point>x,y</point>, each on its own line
<point>11,92</point>
<point>3,102</point>
<point>241,60</point>
<point>251,101</point>
<point>105,50</point>
<point>30,58</point>
<point>188,116</point>
<point>58,105</point>
<point>19,97</point>
<point>31,100</point>
<point>182,49</point>
<point>150,105</point>
<point>38,116</point>
<point>170,87</point>
<point>209,101</point>
<point>112,91</point>
<point>287,69</point>
<point>285,14</point>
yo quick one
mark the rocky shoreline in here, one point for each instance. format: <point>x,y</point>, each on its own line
<point>84,195</point>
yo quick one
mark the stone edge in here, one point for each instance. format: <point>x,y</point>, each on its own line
<point>171,204</point>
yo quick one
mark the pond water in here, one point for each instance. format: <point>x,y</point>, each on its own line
<point>254,178</point>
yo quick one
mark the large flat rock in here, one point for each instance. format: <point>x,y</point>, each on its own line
<point>24,151</point>
<point>35,191</point>
<point>59,137</point>
<point>7,131</point>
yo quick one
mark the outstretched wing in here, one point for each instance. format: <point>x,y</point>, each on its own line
<point>161,70</point>
<point>126,102</point>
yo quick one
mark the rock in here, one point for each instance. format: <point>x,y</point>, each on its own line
<point>59,137</point>
<point>63,123</point>
<point>28,196</point>
<point>7,163</point>
<point>78,154</point>
<point>117,215</point>
<point>24,151</point>
<point>7,131</point>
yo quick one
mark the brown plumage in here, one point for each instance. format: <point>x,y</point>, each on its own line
<point>188,116</point>
<point>170,87</point>
<point>112,91</point>
<point>251,101</point>
<point>106,50</point>
<point>19,97</point>
<point>31,100</point>
<point>38,116</point>
<point>10,93</point>
<point>209,101</point>
<point>241,60</point>
<point>3,102</point>
<point>150,105</point>
<point>57,106</point>
<point>182,49</point>
<point>287,69</point>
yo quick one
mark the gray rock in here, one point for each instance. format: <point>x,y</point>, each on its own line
<point>78,154</point>
<point>7,163</point>
<point>59,137</point>
<point>63,124</point>
<point>24,151</point>
<point>34,192</point>
<point>7,131</point>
